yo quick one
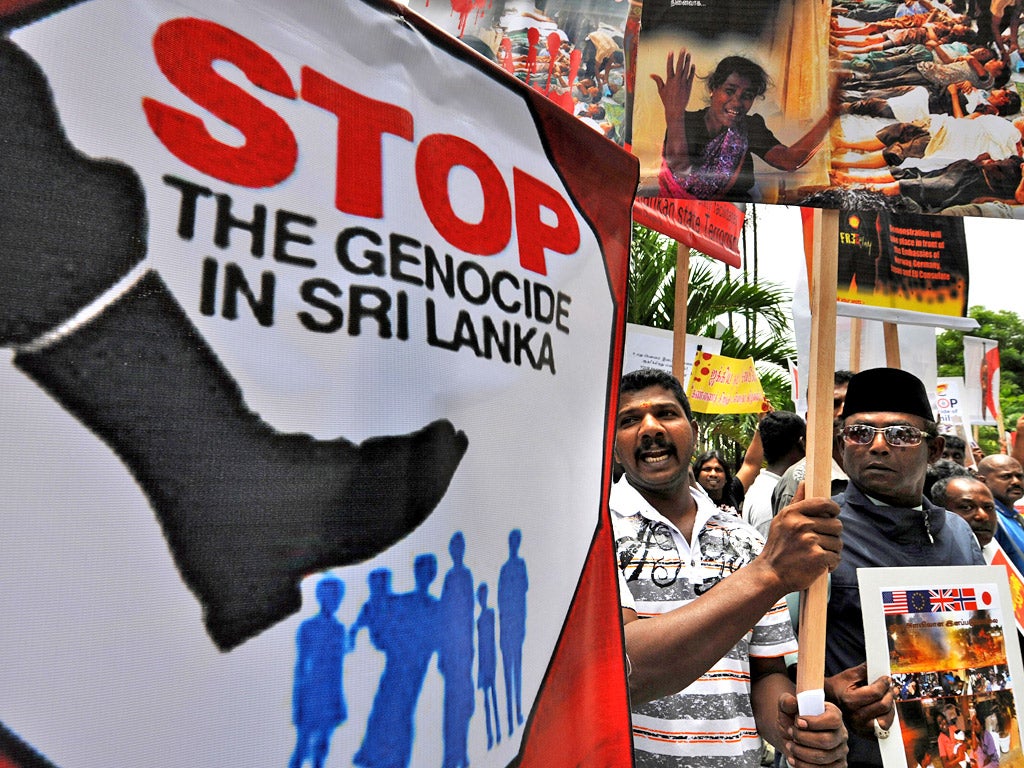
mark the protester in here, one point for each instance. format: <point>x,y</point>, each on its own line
<point>793,476</point>
<point>1004,477</point>
<point>941,469</point>
<point>783,440</point>
<point>712,472</point>
<point>970,498</point>
<point>889,436</point>
<point>692,646</point>
<point>955,450</point>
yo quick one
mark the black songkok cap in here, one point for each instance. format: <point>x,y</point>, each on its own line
<point>887,389</point>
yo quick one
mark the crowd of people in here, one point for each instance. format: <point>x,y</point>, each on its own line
<point>929,109</point>
<point>707,557</point>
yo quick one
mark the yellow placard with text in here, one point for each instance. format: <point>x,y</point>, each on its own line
<point>721,384</point>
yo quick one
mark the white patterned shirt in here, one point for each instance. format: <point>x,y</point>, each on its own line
<point>709,724</point>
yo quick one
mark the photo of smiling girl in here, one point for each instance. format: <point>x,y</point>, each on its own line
<point>731,102</point>
<point>707,153</point>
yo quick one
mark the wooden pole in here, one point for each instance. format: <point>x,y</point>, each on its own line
<point>679,315</point>
<point>891,336</point>
<point>856,331</point>
<point>810,681</point>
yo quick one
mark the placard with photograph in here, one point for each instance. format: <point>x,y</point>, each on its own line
<point>946,637</point>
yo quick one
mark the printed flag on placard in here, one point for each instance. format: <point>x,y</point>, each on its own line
<point>938,600</point>
<point>720,384</point>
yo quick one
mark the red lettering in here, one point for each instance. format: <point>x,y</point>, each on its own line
<point>436,156</point>
<point>535,235</point>
<point>362,123</point>
<point>185,51</point>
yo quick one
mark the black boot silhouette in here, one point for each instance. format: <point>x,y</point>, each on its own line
<point>247,511</point>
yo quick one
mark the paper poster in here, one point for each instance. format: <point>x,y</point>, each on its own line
<point>890,266</point>
<point>652,348</point>
<point>947,637</point>
<point>286,290</point>
<point>827,103</point>
<point>720,384</point>
<point>786,47</point>
<point>981,380</point>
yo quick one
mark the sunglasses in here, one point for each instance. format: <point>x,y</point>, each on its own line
<point>898,436</point>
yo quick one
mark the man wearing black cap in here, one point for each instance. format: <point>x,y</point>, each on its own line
<point>888,436</point>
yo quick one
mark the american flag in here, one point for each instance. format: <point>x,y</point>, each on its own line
<point>907,601</point>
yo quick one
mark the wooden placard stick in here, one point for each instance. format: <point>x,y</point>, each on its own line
<point>856,332</point>
<point>891,337</point>
<point>810,680</point>
<point>679,314</point>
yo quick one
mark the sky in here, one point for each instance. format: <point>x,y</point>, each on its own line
<point>995,253</point>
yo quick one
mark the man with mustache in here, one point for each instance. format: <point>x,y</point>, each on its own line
<point>1004,477</point>
<point>702,596</point>
<point>889,436</point>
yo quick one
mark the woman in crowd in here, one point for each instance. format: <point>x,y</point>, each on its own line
<point>983,745</point>
<point>708,152</point>
<point>712,473</point>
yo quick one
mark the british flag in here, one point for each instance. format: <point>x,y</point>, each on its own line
<point>953,599</point>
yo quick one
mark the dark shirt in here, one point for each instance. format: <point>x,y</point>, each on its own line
<point>883,537</point>
<point>759,139</point>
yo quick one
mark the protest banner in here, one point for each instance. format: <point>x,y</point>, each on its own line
<point>946,638</point>
<point>709,227</point>
<point>652,348</point>
<point>981,381</point>
<point>579,54</point>
<point>287,288</point>
<point>950,413</point>
<point>1016,581</point>
<point>832,105</point>
<point>903,269</point>
<point>720,384</point>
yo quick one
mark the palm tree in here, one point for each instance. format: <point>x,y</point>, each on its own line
<point>749,316</point>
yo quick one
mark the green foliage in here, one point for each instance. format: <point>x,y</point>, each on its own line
<point>1008,329</point>
<point>752,313</point>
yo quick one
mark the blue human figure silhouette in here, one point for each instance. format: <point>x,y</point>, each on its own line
<point>487,666</point>
<point>318,701</point>
<point>455,655</point>
<point>408,636</point>
<point>512,586</point>
<point>373,614</point>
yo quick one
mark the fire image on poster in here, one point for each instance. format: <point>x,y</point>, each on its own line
<point>907,263</point>
<point>947,639</point>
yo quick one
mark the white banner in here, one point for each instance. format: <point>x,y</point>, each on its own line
<point>310,334</point>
